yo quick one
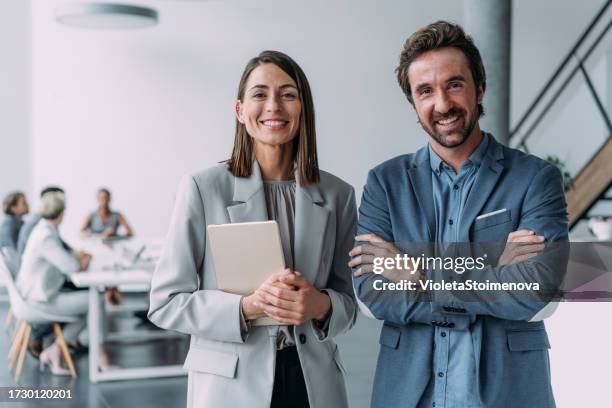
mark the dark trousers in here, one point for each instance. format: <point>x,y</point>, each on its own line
<point>289,386</point>
<point>43,329</point>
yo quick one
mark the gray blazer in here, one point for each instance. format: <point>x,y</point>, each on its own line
<point>226,369</point>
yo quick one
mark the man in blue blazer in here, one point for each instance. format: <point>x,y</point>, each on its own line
<point>462,187</point>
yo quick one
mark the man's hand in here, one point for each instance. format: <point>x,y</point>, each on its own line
<point>521,245</point>
<point>375,247</point>
<point>291,299</point>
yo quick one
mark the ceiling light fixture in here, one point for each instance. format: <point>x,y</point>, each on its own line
<point>109,16</point>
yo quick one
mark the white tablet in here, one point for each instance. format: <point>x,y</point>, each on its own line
<point>245,254</point>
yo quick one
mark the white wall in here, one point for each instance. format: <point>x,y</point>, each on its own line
<point>15,148</point>
<point>134,110</point>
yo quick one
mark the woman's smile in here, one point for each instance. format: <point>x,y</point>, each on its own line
<point>274,124</point>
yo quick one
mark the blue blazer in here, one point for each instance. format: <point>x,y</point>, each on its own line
<point>511,353</point>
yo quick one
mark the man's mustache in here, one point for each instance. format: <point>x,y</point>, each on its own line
<point>451,113</point>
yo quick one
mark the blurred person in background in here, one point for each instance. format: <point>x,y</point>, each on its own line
<point>15,206</point>
<point>104,221</point>
<point>32,220</point>
<point>40,331</point>
<point>46,265</point>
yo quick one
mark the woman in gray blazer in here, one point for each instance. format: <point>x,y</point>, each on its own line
<point>272,174</point>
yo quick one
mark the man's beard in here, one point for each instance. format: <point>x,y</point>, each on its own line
<point>465,131</point>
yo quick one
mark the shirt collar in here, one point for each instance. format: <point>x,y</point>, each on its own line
<point>434,160</point>
<point>475,158</point>
<point>478,154</point>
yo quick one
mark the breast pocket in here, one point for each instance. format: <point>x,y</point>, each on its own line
<point>492,228</point>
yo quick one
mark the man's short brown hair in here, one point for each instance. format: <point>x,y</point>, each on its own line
<point>440,34</point>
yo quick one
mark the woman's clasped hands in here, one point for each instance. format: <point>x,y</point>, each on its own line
<point>287,298</point>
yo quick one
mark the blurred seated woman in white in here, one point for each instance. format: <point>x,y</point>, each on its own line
<point>15,206</point>
<point>104,221</point>
<point>45,266</point>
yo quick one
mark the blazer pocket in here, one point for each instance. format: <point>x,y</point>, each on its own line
<point>390,336</point>
<point>492,220</point>
<point>527,340</point>
<point>216,362</point>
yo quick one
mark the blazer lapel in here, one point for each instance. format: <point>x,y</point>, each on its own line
<point>250,198</point>
<point>420,177</point>
<point>310,225</point>
<point>486,179</point>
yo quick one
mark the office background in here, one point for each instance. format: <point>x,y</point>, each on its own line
<point>134,110</point>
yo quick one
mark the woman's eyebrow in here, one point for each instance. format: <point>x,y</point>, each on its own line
<point>262,86</point>
<point>259,86</point>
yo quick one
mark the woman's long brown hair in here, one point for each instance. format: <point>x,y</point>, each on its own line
<point>304,151</point>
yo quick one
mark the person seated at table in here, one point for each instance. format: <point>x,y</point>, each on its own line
<point>31,221</point>
<point>104,220</point>
<point>41,330</point>
<point>15,206</point>
<point>45,266</point>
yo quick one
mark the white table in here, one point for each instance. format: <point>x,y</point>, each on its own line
<point>100,276</point>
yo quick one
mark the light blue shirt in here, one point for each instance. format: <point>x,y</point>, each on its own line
<point>453,383</point>
<point>97,225</point>
<point>9,231</point>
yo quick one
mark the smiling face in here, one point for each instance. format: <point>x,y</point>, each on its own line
<point>270,108</point>
<point>445,96</point>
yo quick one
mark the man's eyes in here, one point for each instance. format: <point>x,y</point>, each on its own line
<point>452,85</point>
